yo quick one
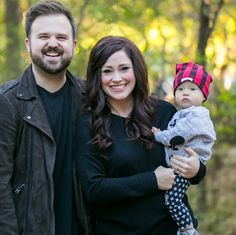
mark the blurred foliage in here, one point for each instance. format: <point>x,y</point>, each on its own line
<point>167,32</point>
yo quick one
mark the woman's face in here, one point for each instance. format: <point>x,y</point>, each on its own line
<point>118,79</point>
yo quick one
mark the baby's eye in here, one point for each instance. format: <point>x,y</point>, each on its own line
<point>192,88</point>
<point>179,89</point>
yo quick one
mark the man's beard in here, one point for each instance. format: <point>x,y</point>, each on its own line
<point>51,68</point>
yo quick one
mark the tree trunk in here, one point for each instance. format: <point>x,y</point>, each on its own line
<point>208,19</point>
<point>208,16</point>
<point>12,19</point>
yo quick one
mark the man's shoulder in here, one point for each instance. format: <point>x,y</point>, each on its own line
<point>79,82</point>
<point>8,86</point>
<point>8,99</point>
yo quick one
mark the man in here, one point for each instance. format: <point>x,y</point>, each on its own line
<point>39,194</point>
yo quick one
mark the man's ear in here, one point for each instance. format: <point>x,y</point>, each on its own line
<point>27,44</point>
<point>75,44</point>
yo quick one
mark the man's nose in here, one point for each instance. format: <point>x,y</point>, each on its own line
<point>52,42</point>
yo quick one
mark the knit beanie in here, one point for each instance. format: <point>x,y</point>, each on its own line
<point>193,73</point>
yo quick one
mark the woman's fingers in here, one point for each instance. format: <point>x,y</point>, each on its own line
<point>187,167</point>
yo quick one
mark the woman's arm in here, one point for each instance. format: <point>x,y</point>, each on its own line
<point>100,187</point>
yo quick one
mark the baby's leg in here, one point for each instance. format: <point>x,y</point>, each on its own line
<point>177,208</point>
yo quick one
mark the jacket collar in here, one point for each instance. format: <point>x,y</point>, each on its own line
<point>27,88</point>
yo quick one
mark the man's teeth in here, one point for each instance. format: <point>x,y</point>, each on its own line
<point>52,54</point>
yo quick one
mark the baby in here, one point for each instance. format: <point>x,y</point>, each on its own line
<point>190,127</point>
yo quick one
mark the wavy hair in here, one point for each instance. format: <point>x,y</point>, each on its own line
<point>138,126</point>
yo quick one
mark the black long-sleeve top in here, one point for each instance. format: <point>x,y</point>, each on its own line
<point>122,188</point>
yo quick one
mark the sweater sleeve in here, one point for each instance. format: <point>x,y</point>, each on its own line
<point>195,122</point>
<point>98,187</point>
<point>191,123</point>
<point>200,175</point>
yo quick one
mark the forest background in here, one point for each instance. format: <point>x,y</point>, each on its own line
<point>167,32</point>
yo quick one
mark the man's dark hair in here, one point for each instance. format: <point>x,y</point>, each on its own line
<point>44,8</point>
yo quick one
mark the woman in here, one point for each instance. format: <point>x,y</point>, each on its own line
<point>122,170</point>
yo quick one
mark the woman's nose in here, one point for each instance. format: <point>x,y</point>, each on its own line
<point>116,77</point>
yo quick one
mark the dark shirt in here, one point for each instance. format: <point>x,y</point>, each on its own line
<point>122,188</point>
<point>58,109</point>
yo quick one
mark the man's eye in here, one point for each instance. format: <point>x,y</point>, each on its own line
<point>61,38</point>
<point>43,37</point>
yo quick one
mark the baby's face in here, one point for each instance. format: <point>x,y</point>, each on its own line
<point>188,94</point>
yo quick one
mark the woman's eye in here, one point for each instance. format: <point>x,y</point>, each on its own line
<point>125,68</point>
<point>106,71</point>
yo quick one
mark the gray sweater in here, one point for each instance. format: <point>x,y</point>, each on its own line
<point>195,127</point>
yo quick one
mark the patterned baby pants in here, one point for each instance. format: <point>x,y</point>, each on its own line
<point>173,200</point>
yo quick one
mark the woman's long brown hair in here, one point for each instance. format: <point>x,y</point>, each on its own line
<point>138,126</point>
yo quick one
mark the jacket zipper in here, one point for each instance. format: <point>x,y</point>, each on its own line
<point>19,189</point>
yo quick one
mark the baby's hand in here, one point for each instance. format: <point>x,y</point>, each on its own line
<point>155,130</point>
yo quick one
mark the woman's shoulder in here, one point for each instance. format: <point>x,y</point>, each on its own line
<point>164,111</point>
<point>164,105</point>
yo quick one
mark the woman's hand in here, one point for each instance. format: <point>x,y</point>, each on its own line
<point>187,167</point>
<point>165,177</point>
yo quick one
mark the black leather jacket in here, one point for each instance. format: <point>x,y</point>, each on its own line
<point>27,155</point>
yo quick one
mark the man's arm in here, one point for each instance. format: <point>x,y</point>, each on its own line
<point>8,222</point>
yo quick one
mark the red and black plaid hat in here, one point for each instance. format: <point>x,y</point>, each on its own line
<point>194,73</point>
